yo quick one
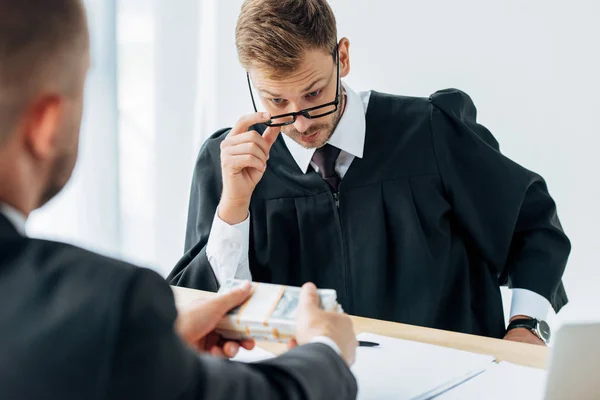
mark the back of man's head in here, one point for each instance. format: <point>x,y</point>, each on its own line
<point>44,56</point>
<point>39,43</point>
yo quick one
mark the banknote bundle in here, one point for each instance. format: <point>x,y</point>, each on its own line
<point>270,312</point>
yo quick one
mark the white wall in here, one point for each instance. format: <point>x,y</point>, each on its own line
<point>531,67</point>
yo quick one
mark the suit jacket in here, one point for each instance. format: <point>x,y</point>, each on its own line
<point>76,325</point>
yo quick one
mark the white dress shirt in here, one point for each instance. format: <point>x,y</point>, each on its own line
<point>228,245</point>
<point>15,217</point>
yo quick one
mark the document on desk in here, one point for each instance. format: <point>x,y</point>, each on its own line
<point>255,355</point>
<point>501,382</point>
<point>400,369</point>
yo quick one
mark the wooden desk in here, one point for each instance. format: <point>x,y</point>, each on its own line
<point>518,353</point>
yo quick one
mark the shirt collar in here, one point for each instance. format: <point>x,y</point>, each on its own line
<point>349,135</point>
<point>14,216</point>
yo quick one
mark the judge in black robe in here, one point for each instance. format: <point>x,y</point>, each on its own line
<point>428,223</point>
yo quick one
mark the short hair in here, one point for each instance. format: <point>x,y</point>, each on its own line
<point>273,35</point>
<point>41,43</point>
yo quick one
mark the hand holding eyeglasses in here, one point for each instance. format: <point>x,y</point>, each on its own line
<point>244,156</point>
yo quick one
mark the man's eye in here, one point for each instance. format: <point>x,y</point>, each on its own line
<point>277,101</point>
<point>314,94</point>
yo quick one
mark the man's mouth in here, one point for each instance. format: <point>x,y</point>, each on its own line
<point>310,138</point>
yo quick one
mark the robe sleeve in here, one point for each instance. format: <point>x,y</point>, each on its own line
<point>505,209</point>
<point>194,270</point>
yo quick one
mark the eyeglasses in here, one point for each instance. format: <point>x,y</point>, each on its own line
<point>310,113</point>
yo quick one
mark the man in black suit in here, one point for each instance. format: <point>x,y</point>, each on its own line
<point>75,325</point>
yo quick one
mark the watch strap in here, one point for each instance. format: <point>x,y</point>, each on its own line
<point>527,323</point>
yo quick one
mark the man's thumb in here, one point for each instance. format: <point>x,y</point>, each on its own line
<point>309,297</point>
<point>228,301</point>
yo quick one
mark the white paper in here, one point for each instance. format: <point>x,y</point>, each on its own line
<point>255,355</point>
<point>400,369</point>
<point>502,381</point>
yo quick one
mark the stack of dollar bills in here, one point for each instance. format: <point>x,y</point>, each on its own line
<point>269,314</point>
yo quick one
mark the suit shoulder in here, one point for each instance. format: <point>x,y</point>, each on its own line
<point>399,108</point>
<point>453,101</point>
<point>66,300</point>
<point>398,103</point>
<point>79,266</point>
<point>444,99</point>
<point>457,106</point>
<point>396,98</point>
<point>97,282</point>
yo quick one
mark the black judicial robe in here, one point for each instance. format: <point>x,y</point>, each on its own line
<point>431,221</point>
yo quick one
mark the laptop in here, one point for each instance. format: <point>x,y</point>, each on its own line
<point>574,371</point>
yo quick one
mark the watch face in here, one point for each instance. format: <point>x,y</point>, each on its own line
<point>544,330</point>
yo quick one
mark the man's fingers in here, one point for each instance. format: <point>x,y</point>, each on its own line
<point>246,137</point>
<point>238,163</point>
<point>248,120</point>
<point>210,340</point>
<point>217,352</point>
<point>209,314</point>
<point>198,323</point>
<point>248,344</point>
<point>292,344</point>
<point>270,135</point>
<point>245,149</point>
<point>231,349</point>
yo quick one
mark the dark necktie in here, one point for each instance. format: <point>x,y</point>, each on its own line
<point>325,159</point>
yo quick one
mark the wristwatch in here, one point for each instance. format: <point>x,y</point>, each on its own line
<point>539,328</point>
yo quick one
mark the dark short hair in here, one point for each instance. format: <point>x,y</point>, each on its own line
<point>41,42</point>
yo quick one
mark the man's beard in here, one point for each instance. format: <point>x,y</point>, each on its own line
<point>60,174</point>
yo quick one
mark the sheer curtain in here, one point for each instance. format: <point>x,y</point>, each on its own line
<point>158,69</point>
<point>87,212</point>
<point>141,132</point>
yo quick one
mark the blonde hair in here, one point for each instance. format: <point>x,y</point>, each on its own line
<point>273,35</point>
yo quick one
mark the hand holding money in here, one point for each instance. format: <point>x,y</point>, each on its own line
<point>283,314</point>
<point>313,322</point>
<point>195,325</point>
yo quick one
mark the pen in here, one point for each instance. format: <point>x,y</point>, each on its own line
<point>362,343</point>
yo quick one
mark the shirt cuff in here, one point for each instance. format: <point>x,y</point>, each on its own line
<point>528,303</point>
<point>227,248</point>
<point>327,341</point>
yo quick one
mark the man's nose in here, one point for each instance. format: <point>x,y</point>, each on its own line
<point>302,123</point>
